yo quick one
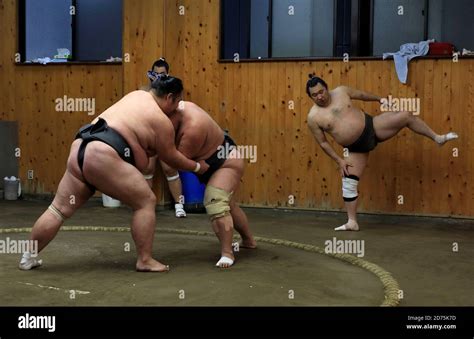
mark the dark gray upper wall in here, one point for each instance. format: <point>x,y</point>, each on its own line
<point>259,28</point>
<point>458,23</point>
<point>51,19</point>
<point>435,20</point>
<point>322,22</point>
<point>99,29</point>
<point>392,30</point>
<point>309,32</point>
<point>291,34</point>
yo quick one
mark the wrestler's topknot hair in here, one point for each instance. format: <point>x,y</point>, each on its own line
<point>313,81</point>
<point>166,84</point>
<point>161,62</point>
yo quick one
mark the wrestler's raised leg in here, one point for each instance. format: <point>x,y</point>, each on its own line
<point>104,169</point>
<point>388,124</point>
<point>358,162</point>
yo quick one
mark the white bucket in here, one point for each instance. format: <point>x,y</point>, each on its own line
<point>12,188</point>
<point>109,201</point>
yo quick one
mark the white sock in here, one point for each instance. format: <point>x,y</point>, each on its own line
<point>179,210</point>
<point>441,139</point>
<point>26,256</point>
<point>352,223</point>
<point>27,262</point>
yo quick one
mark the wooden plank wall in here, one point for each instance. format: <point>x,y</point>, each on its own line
<point>143,39</point>
<point>7,55</point>
<point>252,101</point>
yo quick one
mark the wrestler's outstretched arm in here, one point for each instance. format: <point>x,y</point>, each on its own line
<point>356,94</point>
<point>189,145</point>
<point>168,153</point>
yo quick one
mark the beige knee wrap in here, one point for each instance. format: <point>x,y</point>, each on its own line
<point>217,202</point>
<point>57,213</point>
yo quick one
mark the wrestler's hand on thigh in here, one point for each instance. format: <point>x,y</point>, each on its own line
<point>344,167</point>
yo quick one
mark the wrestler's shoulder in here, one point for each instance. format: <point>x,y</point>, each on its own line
<point>340,89</point>
<point>194,114</point>
<point>314,112</point>
<point>137,93</point>
<point>314,115</point>
<point>186,105</point>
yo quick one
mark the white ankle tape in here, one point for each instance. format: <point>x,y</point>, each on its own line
<point>57,213</point>
<point>173,178</point>
<point>148,176</point>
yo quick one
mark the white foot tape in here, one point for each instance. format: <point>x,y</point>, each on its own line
<point>451,136</point>
<point>349,226</point>
<point>225,260</point>
<point>442,139</point>
<point>179,211</point>
<point>27,262</point>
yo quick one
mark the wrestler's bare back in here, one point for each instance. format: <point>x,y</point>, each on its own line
<point>340,118</point>
<point>139,119</point>
<point>197,134</point>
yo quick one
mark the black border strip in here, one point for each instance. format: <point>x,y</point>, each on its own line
<point>242,322</point>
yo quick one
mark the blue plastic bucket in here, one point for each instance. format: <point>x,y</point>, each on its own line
<point>193,192</point>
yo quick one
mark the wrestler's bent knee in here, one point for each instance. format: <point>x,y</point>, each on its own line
<point>217,202</point>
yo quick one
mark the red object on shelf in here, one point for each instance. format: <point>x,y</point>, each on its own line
<point>441,48</point>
